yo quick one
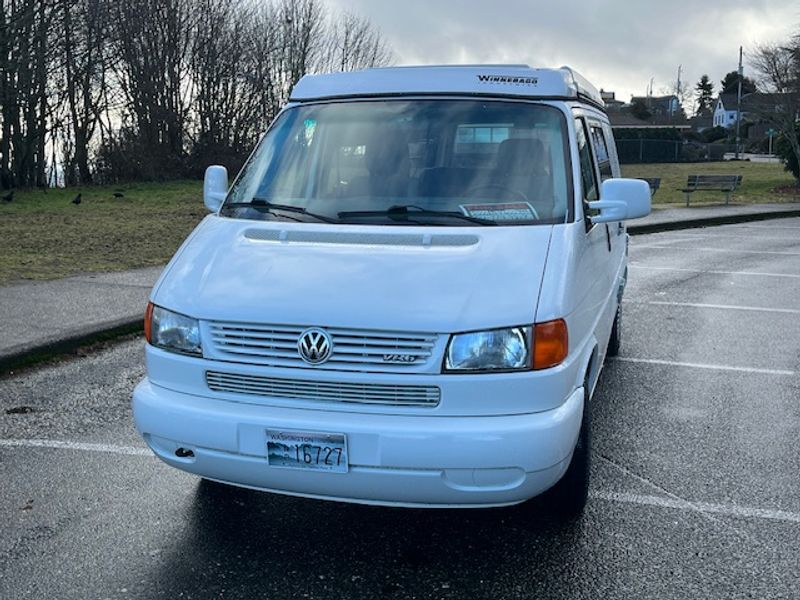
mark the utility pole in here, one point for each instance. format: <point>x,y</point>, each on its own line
<point>739,106</point>
<point>677,91</point>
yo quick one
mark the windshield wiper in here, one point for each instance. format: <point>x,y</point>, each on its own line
<point>401,212</point>
<point>265,205</point>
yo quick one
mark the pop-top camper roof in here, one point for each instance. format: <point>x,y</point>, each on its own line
<point>483,80</point>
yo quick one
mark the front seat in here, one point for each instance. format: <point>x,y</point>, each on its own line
<point>387,161</point>
<point>523,166</point>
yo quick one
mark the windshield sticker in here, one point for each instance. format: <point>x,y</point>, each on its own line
<point>508,211</point>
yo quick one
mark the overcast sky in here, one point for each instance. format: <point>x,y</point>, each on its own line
<point>617,44</point>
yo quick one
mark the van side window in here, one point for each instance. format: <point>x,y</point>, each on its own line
<point>601,152</point>
<point>612,150</point>
<point>588,177</point>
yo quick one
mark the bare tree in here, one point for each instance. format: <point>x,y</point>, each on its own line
<point>354,43</point>
<point>99,90</point>
<point>300,43</point>
<point>24,59</point>
<point>225,93</point>
<point>779,69</point>
<point>84,35</point>
<point>151,41</point>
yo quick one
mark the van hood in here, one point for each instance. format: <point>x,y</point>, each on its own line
<point>431,279</point>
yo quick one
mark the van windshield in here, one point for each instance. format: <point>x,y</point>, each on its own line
<point>414,162</point>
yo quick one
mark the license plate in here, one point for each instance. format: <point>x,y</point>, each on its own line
<point>307,450</point>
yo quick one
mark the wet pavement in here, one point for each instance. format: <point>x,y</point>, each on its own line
<point>695,492</point>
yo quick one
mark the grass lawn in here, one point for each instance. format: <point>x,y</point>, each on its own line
<point>759,182</point>
<point>44,236</point>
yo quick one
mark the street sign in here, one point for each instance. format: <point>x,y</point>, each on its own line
<point>771,133</point>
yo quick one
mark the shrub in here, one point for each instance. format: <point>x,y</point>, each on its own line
<point>784,150</point>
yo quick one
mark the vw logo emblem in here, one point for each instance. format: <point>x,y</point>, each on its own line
<point>314,346</point>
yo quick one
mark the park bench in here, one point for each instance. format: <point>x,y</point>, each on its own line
<point>653,182</point>
<point>719,183</point>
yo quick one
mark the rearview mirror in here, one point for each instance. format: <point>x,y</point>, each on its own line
<point>215,187</point>
<point>622,199</point>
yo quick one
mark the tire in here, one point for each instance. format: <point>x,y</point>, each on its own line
<point>217,489</point>
<point>567,498</point>
<point>615,341</point>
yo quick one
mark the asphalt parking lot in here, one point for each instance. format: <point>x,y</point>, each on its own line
<point>695,490</point>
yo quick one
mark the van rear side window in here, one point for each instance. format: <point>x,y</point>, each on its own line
<point>588,178</point>
<point>601,152</point>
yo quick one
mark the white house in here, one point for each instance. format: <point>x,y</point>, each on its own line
<point>755,108</point>
<point>725,110</point>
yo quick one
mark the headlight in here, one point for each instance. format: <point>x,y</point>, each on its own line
<point>498,349</point>
<point>172,331</point>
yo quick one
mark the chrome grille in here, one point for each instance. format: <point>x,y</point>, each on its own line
<point>353,349</point>
<point>328,391</point>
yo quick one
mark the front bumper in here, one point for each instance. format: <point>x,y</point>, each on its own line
<point>395,460</point>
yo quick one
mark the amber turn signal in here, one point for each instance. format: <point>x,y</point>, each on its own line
<point>550,344</point>
<point>148,321</point>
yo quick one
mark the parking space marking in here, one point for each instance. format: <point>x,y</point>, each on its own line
<point>670,501</point>
<point>686,235</point>
<point>85,447</point>
<point>709,367</point>
<point>704,249</point>
<point>743,273</point>
<point>728,510</point>
<point>789,311</point>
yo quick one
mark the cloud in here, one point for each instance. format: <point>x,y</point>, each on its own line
<point>617,44</point>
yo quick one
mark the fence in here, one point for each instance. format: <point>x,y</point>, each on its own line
<point>669,151</point>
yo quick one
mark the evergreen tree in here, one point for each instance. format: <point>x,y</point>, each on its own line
<point>704,94</point>
<point>730,85</point>
<point>639,110</point>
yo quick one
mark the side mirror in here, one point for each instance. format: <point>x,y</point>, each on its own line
<point>622,199</point>
<point>215,187</point>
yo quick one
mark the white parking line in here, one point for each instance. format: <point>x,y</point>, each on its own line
<point>710,367</point>
<point>730,510</point>
<point>668,502</point>
<point>743,273</point>
<point>703,249</point>
<point>59,445</point>
<point>789,311</point>
<point>694,234</point>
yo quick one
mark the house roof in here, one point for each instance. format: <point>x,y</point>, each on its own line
<point>654,99</point>
<point>756,101</point>
<point>625,120</point>
<point>702,121</point>
<point>728,101</point>
<point>500,80</point>
<point>763,102</point>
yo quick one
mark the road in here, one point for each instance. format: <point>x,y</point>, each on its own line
<point>695,490</point>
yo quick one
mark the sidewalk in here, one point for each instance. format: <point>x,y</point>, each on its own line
<point>42,317</point>
<point>45,317</point>
<point>685,218</point>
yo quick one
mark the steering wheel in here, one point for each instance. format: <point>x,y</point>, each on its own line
<point>499,186</point>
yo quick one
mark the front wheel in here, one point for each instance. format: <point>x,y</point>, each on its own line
<point>615,342</point>
<point>568,497</point>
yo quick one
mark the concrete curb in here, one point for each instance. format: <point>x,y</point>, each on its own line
<point>68,342</point>
<point>710,221</point>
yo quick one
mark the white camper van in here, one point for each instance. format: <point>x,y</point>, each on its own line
<point>406,296</point>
